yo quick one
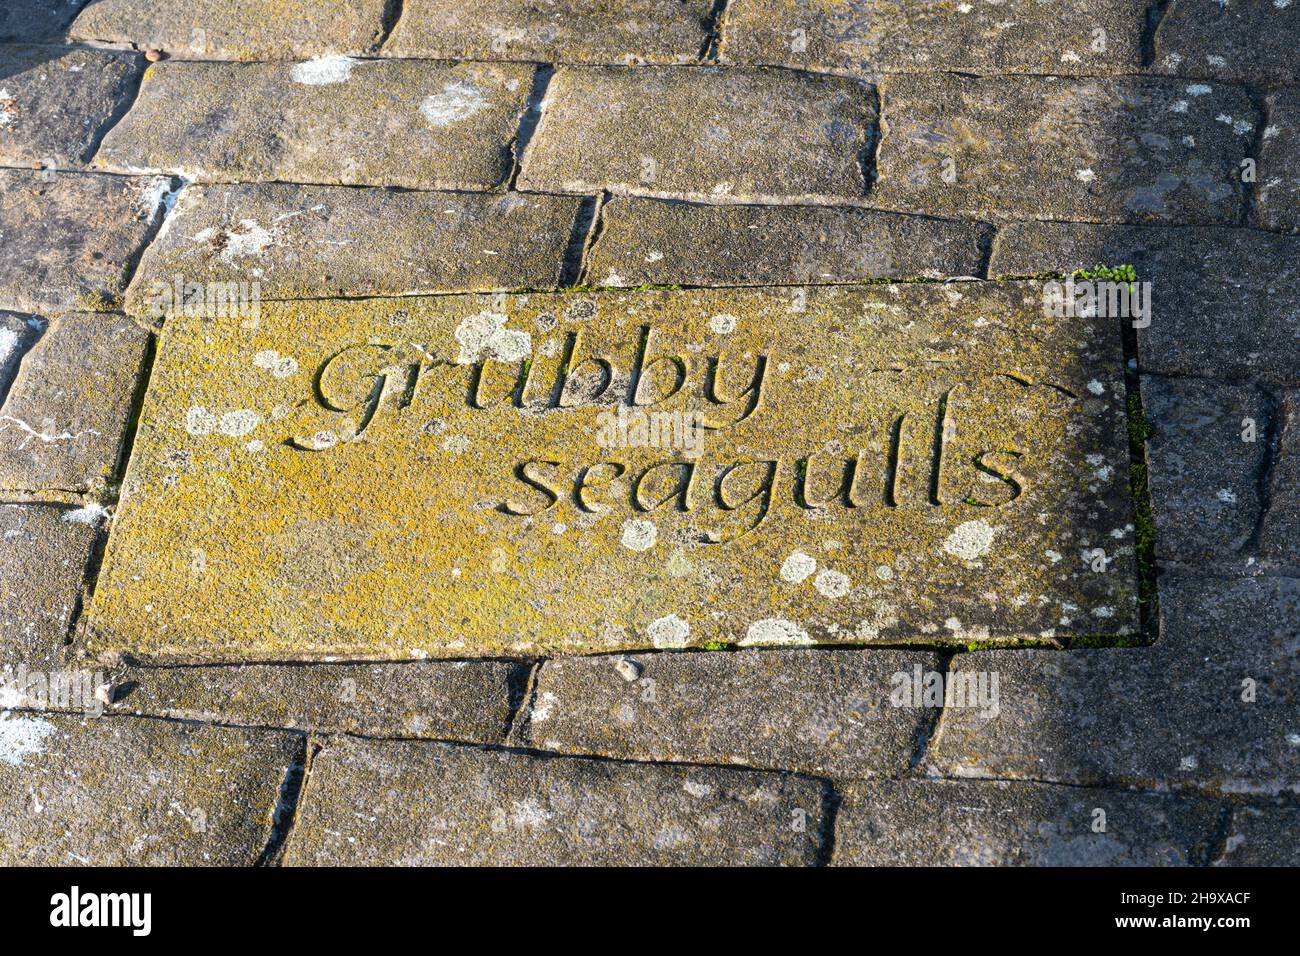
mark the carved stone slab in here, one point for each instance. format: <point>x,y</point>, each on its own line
<point>479,475</point>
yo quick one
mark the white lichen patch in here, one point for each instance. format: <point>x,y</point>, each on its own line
<point>639,534</point>
<point>8,109</point>
<point>199,421</point>
<point>8,344</point>
<point>457,101</point>
<point>970,540</point>
<point>22,736</point>
<point>158,194</point>
<point>774,631</point>
<point>250,239</point>
<point>668,632</point>
<point>544,709</point>
<point>323,70</point>
<point>455,444</point>
<point>281,366</point>
<point>832,584</point>
<point>92,514</point>
<point>239,423</point>
<point>722,323</point>
<point>485,336</point>
<point>797,567</point>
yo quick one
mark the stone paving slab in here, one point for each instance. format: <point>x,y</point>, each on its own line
<point>1279,533</point>
<point>1251,41</point>
<point>54,104</point>
<point>36,20</point>
<point>1224,301</point>
<point>1204,477</point>
<point>435,805</point>
<point>1091,149</point>
<point>950,823</point>
<point>449,701</point>
<point>118,792</point>
<point>1211,705</point>
<point>627,32</point>
<point>1262,836</point>
<point>1279,163</point>
<point>63,421</point>
<point>820,712</point>
<point>701,133</point>
<point>70,238</point>
<point>874,37</point>
<point>40,585</point>
<point>320,241</point>
<point>236,29</point>
<point>413,123</point>
<point>655,242</point>
<point>308,455</point>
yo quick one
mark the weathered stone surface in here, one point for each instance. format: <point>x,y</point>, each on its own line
<point>17,334</point>
<point>36,20</point>
<point>624,31</point>
<point>69,238</point>
<point>319,241</point>
<point>1262,836</point>
<point>407,123</point>
<point>436,805</point>
<point>1279,163</point>
<point>63,422</point>
<point>900,36</point>
<point>1279,534</point>
<point>954,823</point>
<point>1204,475</point>
<point>370,479</point>
<point>449,701</point>
<point>45,557</point>
<point>1224,301</point>
<point>1212,704</point>
<point>646,241</point>
<point>55,104</point>
<point>815,711</point>
<point>1096,149</point>
<point>1252,41</point>
<point>117,791</point>
<point>236,29</point>
<point>701,133</point>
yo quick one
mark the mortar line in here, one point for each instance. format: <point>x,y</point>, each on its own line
<point>1278,425</point>
<point>522,711</point>
<point>290,800</point>
<point>1156,14</point>
<point>592,239</point>
<point>392,16</point>
<point>529,122</point>
<point>713,30</point>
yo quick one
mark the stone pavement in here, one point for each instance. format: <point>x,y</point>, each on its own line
<point>309,313</point>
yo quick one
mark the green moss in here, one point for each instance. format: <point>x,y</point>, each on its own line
<point>1124,273</point>
<point>1139,430</point>
<point>99,301</point>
